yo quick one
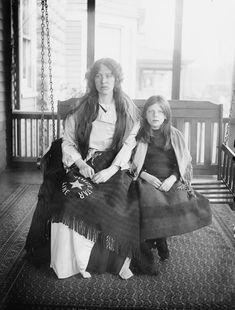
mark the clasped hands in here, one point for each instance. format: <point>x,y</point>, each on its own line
<point>99,177</point>
<point>164,186</point>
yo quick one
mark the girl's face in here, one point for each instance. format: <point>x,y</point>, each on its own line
<point>104,80</point>
<point>155,116</point>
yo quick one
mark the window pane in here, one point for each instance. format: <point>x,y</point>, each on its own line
<point>139,35</point>
<point>208,51</point>
<point>68,40</point>
<point>154,81</point>
<point>115,36</point>
<point>26,17</point>
<point>73,50</point>
<point>27,74</point>
<point>155,48</point>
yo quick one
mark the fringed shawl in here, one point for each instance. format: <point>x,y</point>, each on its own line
<point>102,210</point>
<point>181,151</point>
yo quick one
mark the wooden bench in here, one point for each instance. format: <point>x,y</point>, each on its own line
<point>201,124</point>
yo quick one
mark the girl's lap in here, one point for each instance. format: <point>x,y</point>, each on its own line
<point>163,214</point>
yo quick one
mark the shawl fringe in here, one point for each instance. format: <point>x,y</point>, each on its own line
<point>92,233</point>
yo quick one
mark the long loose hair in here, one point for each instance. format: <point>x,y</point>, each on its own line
<point>145,131</point>
<point>87,109</point>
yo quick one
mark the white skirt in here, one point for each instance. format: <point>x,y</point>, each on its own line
<point>70,253</point>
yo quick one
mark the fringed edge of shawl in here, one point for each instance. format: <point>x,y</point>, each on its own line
<point>190,191</point>
<point>92,233</point>
<point>187,178</point>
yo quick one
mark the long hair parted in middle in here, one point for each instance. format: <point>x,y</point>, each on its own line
<point>87,109</point>
<point>145,131</point>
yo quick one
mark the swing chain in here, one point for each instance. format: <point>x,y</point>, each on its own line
<point>42,78</point>
<point>50,69</point>
<point>45,24</point>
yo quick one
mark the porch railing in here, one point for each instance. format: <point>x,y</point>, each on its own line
<point>26,132</point>
<point>227,169</point>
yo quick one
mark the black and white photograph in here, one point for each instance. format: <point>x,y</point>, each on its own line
<point>117,154</point>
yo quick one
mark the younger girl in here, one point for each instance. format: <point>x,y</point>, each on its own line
<point>162,167</point>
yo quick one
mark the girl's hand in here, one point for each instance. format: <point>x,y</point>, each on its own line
<point>104,175</point>
<point>85,169</point>
<point>151,179</point>
<point>168,183</point>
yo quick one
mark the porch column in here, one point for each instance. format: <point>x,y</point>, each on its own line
<point>90,32</point>
<point>176,67</point>
<point>231,139</point>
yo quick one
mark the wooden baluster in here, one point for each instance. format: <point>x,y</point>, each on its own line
<point>230,172</point>
<point>227,169</point>
<point>224,165</point>
<point>208,144</point>
<point>31,138</point>
<point>25,137</point>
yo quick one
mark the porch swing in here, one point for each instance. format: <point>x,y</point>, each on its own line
<point>220,190</point>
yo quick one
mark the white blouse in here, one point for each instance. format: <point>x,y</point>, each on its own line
<point>100,139</point>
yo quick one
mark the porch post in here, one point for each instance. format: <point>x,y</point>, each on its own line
<point>176,67</point>
<point>231,138</point>
<point>90,32</point>
<point>6,95</point>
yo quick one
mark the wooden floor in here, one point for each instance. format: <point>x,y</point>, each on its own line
<point>217,288</point>
<point>10,179</point>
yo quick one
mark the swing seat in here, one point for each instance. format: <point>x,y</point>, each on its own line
<point>219,187</point>
<point>222,189</point>
<point>216,191</point>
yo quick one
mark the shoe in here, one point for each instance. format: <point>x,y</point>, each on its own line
<point>151,243</point>
<point>126,274</point>
<point>162,248</point>
<point>85,274</point>
<point>145,264</point>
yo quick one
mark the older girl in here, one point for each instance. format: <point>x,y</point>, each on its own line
<point>93,227</point>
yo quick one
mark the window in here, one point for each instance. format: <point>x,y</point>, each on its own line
<point>208,51</point>
<point>155,41</point>
<point>115,36</point>
<point>155,81</point>
<point>139,35</point>
<point>27,45</point>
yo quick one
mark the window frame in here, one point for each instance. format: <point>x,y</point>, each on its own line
<point>176,63</point>
<point>26,92</point>
<point>27,69</point>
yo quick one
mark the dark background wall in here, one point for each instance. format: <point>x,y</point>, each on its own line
<point>5,83</point>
